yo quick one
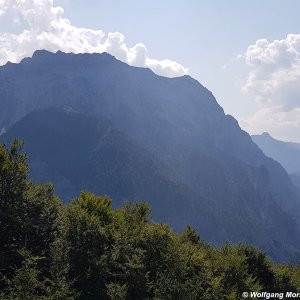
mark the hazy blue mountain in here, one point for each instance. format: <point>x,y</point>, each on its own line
<point>286,153</point>
<point>296,179</point>
<point>169,142</point>
<point>79,152</point>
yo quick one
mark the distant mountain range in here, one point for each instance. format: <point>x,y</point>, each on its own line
<point>286,153</point>
<point>92,122</point>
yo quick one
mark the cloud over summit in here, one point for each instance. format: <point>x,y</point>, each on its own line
<point>47,28</point>
<point>274,82</point>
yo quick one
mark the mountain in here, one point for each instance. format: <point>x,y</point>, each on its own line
<point>79,152</point>
<point>286,153</point>
<point>90,121</point>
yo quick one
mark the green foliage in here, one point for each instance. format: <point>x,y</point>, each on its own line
<point>190,235</point>
<point>88,250</point>
<point>286,278</point>
<point>13,183</point>
<point>25,283</point>
<point>87,220</point>
<point>259,266</point>
<point>231,268</point>
<point>116,291</point>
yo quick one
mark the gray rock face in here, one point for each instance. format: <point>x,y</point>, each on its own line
<point>203,169</point>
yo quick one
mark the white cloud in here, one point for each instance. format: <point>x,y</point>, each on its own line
<point>3,7</point>
<point>47,28</point>
<point>281,125</point>
<point>274,81</point>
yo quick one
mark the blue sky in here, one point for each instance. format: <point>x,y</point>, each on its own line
<point>211,39</point>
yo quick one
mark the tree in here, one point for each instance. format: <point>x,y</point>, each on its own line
<point>13,184</point>
<point>126,254</point>
<point>88,237</point>
<point>258,266</point>
<point>231,269</point>
<point>25,284</point>
<point>28,215</point>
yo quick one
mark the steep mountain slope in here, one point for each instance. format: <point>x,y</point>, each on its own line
<point>220,178</point>
<point>76,152</point>
<point>286,153</point>
<point>296,179</point>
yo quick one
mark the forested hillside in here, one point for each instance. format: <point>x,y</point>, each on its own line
<point>88,250</point>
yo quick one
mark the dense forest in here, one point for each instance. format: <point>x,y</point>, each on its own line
<point>90,250</point>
